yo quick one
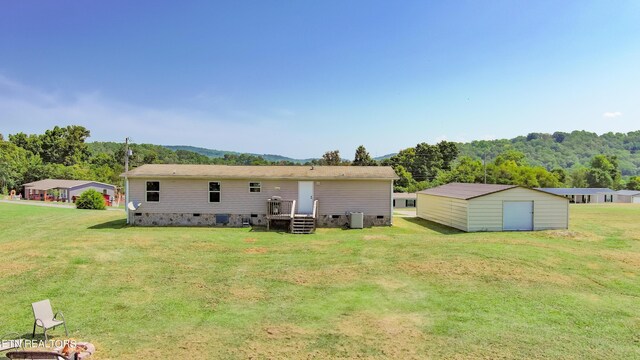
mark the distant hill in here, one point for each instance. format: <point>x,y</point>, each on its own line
<point>564,150</point>
<point>221,153</point>
<point>557,150</point>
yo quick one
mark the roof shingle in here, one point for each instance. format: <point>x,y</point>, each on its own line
<point>263,172</point>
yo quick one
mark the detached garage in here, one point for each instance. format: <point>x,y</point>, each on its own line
<point>486,207</point>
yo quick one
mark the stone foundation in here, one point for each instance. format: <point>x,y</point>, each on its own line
<point>186,219</point>
<point>235,220</point>
<point>333,221</point>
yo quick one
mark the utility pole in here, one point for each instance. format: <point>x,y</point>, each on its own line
<point>484,162</point>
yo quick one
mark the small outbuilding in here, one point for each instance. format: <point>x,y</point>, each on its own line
<point>628,196</point>
<point>583,195</point>
<point>404,200</point>
<point>65,190</point>
<point>489,207</point>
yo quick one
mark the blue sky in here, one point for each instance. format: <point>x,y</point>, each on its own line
<point>298,78</point>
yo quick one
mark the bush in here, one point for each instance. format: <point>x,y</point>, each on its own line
<point>91,199</point>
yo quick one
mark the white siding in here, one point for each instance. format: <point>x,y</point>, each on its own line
<point>335,197</point>
<point>549,211</point>
<point>447,211</point>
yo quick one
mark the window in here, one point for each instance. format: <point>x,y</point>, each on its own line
<point>153,191</point>
<point>214,192</point>
<point>254,187</point>
<point>411,203</point>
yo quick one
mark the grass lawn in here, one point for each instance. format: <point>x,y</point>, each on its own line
<point>416,290</point>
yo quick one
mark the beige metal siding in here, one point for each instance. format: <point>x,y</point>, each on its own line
<point>549,212</point>
<point>192,196</point>
<point>335,197</point>
<point>444,210</point>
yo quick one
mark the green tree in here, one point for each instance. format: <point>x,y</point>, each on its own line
<point>331,158</point>
<point>405,181</point>
<point>634,183</point>
<point>604,172</point>
<point>362,157</point>
<point>467,170</point>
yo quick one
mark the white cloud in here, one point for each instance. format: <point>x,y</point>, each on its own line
<point>32,110</point>
<point>611,114</point>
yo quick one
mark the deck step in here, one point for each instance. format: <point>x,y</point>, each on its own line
<point>303,224</point>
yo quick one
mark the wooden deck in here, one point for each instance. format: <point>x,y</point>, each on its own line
<point>278,209</point>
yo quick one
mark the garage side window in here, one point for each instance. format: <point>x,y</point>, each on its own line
<point>153,191</point>
<point>214,191</point>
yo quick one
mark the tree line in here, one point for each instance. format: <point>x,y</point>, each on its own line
<point>62,152</point>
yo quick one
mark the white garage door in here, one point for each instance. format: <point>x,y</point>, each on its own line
<point>517,215</point>
<point>636,199</point>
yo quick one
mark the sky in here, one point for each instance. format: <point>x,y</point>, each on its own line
<point>298,78</point>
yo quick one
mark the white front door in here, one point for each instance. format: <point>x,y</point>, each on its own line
<point>517,215</point>
<point>305,197</point>
<point>635,199</point>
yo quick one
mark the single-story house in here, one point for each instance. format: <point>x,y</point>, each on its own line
<point>65,190</point>
<point>487,207</point>
<point>628,196</point>
<point>206,195</point>
<point>404,200</point>
<point>583,195</point>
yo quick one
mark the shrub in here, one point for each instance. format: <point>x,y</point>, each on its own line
<point>91,199</point>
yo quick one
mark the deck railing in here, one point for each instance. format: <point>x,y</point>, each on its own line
<point>283,209</point>
<point>315,208</point>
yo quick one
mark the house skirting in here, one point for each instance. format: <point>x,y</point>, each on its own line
<point>237,220</point>
<point>333,221</point>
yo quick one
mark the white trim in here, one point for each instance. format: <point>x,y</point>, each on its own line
<point>391,203</point>
<point>209,191</point>
<point>259,187</point>
<point>126,199</point>
<point>147,191</point>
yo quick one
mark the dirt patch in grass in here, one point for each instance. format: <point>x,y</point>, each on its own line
<point>246,293</point>
<point>250,240</point>
<point>376,237</point>
<point>628,258</point>
<point>258,250</point>
<point>494,270</point>
<point>13,268</point>
<point>569,235</point>
<point>284,331</point>
<point>321,276</point>
<point>390,283</point>
<point>394,336</point>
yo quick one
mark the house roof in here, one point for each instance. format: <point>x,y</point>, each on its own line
<point>577,191</point>
<point>405,195</point>
<point>47,184</point>
<point>628,192</point>
<point>466,191</point>
<point>263,172</point>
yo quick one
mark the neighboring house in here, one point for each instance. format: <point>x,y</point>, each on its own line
<point>583,195</point>
<point>207,195</point>
<point>628,196</point>
<point>483,207</point>
<point>404,200</point>
<point>64,190</point>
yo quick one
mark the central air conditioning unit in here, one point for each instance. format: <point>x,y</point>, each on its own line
<point>356,220</point>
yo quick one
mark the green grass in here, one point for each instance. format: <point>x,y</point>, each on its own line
<point>416,290</point>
